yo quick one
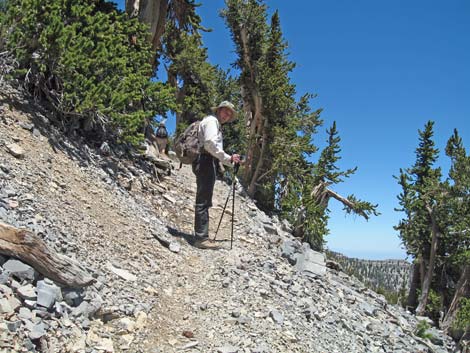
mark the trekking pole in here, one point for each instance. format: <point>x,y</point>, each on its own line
<point>234,182</point>
<point>235,168</point>
<point>223,212</point>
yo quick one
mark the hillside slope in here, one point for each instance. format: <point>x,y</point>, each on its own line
<point>268,294</point>
<point>391,276</point>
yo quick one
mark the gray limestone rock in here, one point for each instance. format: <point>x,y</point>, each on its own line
<point>88,309</point>
<point>14,303</point>
<point>270,229</point>
<point>27,292</point>
<point>48,294</point>
<point>31,304</point>
<point>5,290</point>
<point>15,150</point>
<point>37,331</point>
<point>276,316</point>
<point>19,269</point>
<point>13,326</point>
<point>227,349</point>
<point>72,296</point>
<point>311,263</point>
<point>25,313</point>
<point>5,307</point>
<point>36,133</point>
<point>290,250</point>
<point>26,126</point>
<point>261,349</point>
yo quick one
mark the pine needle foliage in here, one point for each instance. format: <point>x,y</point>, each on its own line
<point>86,60</point>
<point>436,223</point>
<point>416,183</point>
<point>189,73</point>
<point>280,172</point>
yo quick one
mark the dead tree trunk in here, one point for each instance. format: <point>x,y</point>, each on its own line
<point>153,13</point>
<point>259,165</point>
<point>462,291</point>
<point>252,105</point>
<point>29,248</point>
<point>412,300</point>
<point>423,301</point>
<point>322,195</point>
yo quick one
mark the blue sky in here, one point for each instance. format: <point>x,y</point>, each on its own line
<point>381,69</point>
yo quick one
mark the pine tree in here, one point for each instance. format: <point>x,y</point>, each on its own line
<point>246,20</point>
<point>436,223</point>
<point>458,237</point>
<point>189,73</point>
<point>279,172</point>
<point>416,183</point>
<point>81,58</point>
<point>317,192</point>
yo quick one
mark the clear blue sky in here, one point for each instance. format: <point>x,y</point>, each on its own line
<point>381,69</point>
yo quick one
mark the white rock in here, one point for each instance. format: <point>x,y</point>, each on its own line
<point>126,341</point>
<point>5,307</point>
<point>126,324</point>
<point>140,320</point>
<point>15,150</point>
<point>105,344</point>
<point>14,303</point>
<point>27,292</point>
<point>124,274</point>
<point>227,349</point>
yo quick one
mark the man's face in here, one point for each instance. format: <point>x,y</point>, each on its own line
<point>225,115</point>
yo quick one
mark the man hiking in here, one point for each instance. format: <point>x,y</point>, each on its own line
<point>205,166</point>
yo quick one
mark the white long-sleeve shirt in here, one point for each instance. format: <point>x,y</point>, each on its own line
<point>210,137</point>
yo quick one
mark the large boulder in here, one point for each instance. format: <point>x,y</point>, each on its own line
<point>306,261</point>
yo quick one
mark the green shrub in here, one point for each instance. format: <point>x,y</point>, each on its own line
<point>421,329</point>
<point>462,320</point>
<point>3,5</point>
<point>433,306</point>
<point>90,61</point>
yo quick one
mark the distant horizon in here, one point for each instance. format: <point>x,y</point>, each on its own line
<point>381,71</point>
<point>370,256</point>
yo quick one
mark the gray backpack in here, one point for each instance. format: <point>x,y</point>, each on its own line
<point>186,145</point>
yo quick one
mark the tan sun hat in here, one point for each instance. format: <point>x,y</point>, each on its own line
<point>228,105</point>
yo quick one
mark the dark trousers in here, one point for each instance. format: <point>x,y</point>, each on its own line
<point>205,170</point>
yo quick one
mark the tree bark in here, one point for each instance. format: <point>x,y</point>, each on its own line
<point>462,291</point>
<point>29,248</point>
<point>153,13</point>
<point>423,301</point>
<point>259,166</point>
<point>412,300</point>
<point>252,105</point>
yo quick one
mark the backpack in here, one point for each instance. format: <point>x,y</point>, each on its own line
<point>186,146</point>
<point>161,132</point>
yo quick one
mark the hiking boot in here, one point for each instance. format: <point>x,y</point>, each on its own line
<point>206,243</point>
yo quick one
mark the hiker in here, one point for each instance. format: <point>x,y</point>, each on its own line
<point>205,165</point>
<point>162,138</point>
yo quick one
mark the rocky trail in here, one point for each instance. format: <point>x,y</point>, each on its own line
<point>153,291</point>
